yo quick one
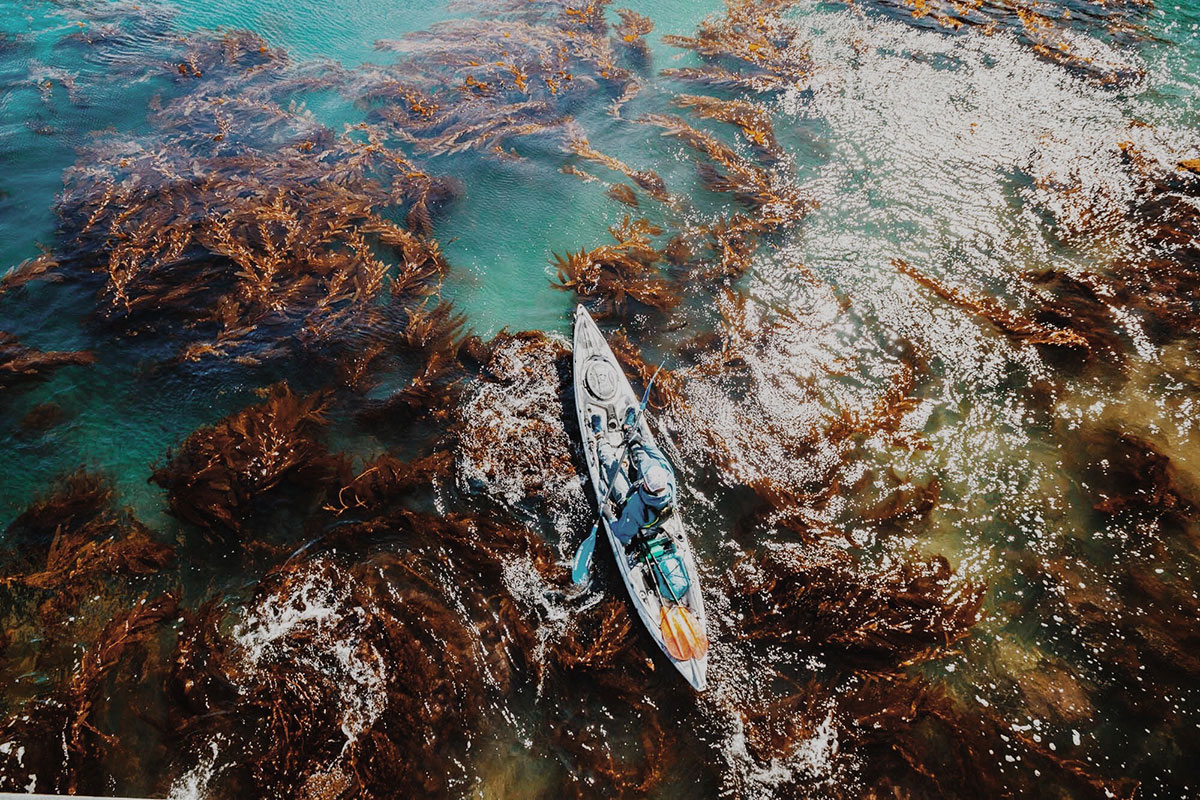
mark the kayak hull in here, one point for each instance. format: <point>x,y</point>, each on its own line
<point>602,388</point>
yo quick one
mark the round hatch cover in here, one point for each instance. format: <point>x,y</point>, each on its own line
<point>601,379</point>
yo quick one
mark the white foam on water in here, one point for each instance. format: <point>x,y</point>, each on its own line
<point>510,432</point>
<point>318,610</point>
<point>816,763</point>
<point>196,782</point>
<point>539,600</point>
<point>7,749</point>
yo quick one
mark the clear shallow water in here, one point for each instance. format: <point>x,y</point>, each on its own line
<point>972,157</point>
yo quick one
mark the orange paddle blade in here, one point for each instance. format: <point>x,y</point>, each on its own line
<point>682,634</point>
<point>695,633</point>
<point>673,637</point>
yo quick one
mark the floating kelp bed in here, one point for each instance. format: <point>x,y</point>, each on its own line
<point>287,512</point>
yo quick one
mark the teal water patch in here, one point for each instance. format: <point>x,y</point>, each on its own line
<point>54,95</point>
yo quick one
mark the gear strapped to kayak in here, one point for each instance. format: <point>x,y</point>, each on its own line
<point>636,490</point>
<point>670,572</point>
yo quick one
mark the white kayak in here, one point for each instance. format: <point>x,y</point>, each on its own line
<point>602,388</point>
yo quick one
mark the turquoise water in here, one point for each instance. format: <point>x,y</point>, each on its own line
<point>1065,485</point>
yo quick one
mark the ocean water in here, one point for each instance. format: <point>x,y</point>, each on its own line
<point>932,403</point>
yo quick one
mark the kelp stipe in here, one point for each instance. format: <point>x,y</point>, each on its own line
<point>1008,322</point>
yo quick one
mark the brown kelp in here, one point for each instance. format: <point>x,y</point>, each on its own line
<point>65,544</point>
<point>753,122</point>
<point>221,473</point>
<point>76,555</point>
<point>919,739</point>
<point>1010,323</point>
<point>756,347</point>
<point>510,437</point>
<point>602,656</point>
<point>1129,474</point>
<point>647,180</point>
<point>1132,486</point>
<point>617,274</point>
<point>1077,303</point>
<point>515,71</point>
<point>623,194</point>
<point>86,685</point>
<point>723,249</point>
<point>451,552</point>
<point>20,363</point>
<point>67,744</point>
<point>1159,279</point>
<point>796,444</point>
<point>751,47</point>
<point>774,198</point>
<point>238,227</point>
<point>818,600</point>
<point>632,31</point>
<point>1068,33</point>
<point>717,253</point>
<point>72,594</point>
<point>1137,623</point>
<point>292,241</point>
<point>598,646</point>
<point>895,730</point>
<point>667,388</point>
<point>333,680</point>
<point>820,622</point>
<point>397,618</point>
<point>425,340</point>
<point>385,480</point>
<point>1156,221</point>
<point>367,673</point>
<point>41,418</point>
<point>41,268</point>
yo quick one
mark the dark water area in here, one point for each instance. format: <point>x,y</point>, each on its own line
<point>291,475</point>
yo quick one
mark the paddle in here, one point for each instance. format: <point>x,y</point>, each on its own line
<point>583,556</point>
<point>682,634</point>
<point>680,629</point>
